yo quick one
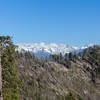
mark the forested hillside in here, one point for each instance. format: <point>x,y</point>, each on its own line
<point>70,77</point>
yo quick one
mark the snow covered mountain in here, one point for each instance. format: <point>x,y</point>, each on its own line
<point>43,49</point>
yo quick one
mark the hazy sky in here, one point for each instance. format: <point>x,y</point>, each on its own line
<point>73,22</point>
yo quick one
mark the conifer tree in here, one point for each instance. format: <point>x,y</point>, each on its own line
<point>70,56</point>
<point>4,41</point>
<point>8,73</point>
<point>60,57</point>
<point>66,57</point>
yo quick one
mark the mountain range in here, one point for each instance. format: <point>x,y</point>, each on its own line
<point>42,49</point>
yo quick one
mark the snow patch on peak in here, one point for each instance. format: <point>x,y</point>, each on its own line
<point>46,49</point>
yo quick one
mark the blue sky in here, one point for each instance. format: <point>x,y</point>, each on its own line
<point>73,22</point>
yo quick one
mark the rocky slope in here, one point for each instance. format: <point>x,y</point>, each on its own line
<point>54,81</point>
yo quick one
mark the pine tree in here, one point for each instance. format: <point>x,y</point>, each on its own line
<point>9,74</point>
<point>70,56</point>
<point>4,41</point>
<point>66,57</point>
<point>60,57</point>
<point>84,53</point>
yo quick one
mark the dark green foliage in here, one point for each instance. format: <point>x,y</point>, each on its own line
<point>66,57</point>
<point>54,58</point>
<point>9,73</point>
<point>4,40</point>
<point>84,53</point>
<point>79,97</point>
<point>28,55</point>
<point>60,57</point>
<point>70,56</point>
<point>39,97</point>
<point>70,96</point>
<point>93,55</point>
<point>64,60</point>
<point>75,57</point>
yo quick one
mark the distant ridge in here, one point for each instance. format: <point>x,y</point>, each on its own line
<point>42,49</point>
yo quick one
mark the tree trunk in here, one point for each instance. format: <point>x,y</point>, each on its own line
<point>1,98</point>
